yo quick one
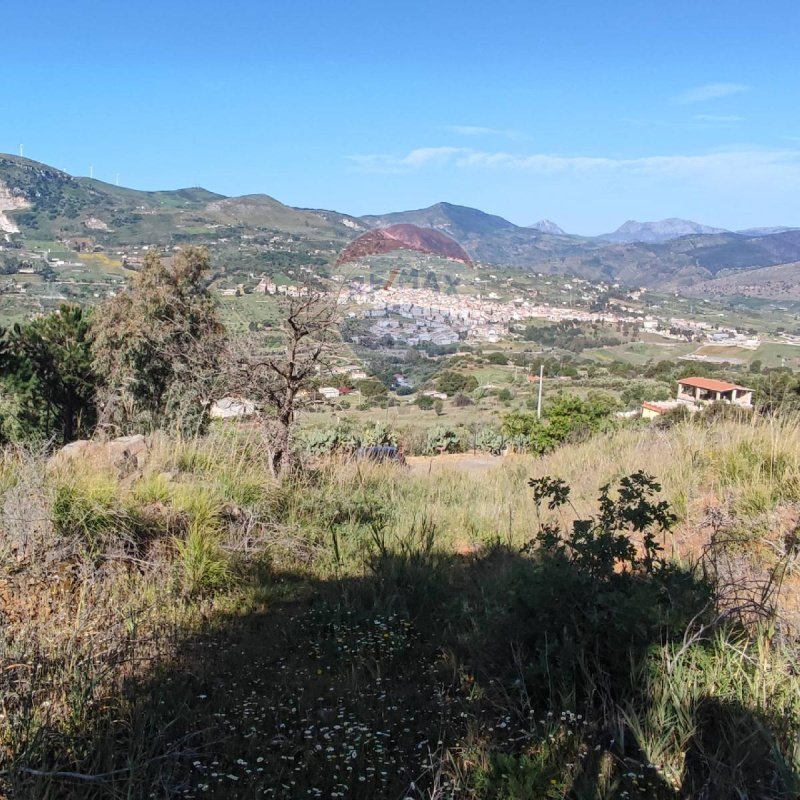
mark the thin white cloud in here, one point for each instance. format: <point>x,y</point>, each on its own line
<point>717,119</point>
<point>710,91</point>
<point>693,123</point>
<point>743,162</point>
<point>479,130</point>
<point>421,156</point>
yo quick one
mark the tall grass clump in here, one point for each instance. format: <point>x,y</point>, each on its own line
<point>86,507</point>
<point>202,565</point>
<point>759,464</point>
<point>722,717</point>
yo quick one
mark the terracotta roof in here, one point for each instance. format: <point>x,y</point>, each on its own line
<point>654,407</point>
<point>712,385</point>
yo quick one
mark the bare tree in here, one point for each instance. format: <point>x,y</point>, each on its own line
<point>277,379</point>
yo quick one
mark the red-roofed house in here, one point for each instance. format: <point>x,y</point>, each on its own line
<point>708,390</point>
<point>694,393</point>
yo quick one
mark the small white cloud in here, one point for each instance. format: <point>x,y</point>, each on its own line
<point>419,157</point>
<point>710,91</point>
<point>695,122</point>
<point>478,130</point>
<point>717,119</point>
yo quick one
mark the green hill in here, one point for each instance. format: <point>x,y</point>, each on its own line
<point>258,233</point>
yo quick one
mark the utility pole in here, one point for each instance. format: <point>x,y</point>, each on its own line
<point>539,404</point>
<point>91,172</point>
<point>22,151</point>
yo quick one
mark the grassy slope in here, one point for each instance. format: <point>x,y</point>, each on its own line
<point>245,643</point>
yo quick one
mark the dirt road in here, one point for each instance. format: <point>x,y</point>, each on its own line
<point>475,464</point>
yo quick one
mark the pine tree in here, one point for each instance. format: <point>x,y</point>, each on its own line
<point>48,376</point>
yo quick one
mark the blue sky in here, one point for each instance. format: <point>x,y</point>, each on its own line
<point>586,113</point>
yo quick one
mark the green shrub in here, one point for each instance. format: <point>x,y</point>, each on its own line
<point>378,434</point>
<point>451,382</point>
<point>568,418</point>
<point>341,437</point>
<point>490,440</point>
<point>595,594</point>
<point>443,439</point>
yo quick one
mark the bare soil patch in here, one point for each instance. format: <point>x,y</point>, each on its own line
<point>472,463</point>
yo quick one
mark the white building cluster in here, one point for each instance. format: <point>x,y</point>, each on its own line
<point>444,318</point>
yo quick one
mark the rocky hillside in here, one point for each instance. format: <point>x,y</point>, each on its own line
<point>548,226</point>
<point>781,283</point>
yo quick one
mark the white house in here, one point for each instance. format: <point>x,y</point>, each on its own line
<point>232,407</point>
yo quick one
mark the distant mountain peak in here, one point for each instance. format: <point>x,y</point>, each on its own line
<point>455,220</point>
<point>660,231</point>
<point>548,226</point>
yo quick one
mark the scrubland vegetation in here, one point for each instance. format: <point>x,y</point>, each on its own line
<point>246,610</point>
<point>193,626</point>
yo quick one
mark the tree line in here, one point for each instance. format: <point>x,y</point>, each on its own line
<point>154,356</point>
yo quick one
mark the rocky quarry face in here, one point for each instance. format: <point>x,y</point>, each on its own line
<point>10,202</point>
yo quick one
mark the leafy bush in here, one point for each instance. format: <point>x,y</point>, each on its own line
<point>451,382</point>
<point>569,418</point>
<point>371,388</point>
<point>443,439</point>
<point>322,441</point>
<point>633,395</point>
<point>378,434</point>
<point>596,593</point>
<point>491,440</point>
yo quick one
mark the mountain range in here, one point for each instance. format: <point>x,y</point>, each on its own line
<point>39,202</point>
<point>662,231</point>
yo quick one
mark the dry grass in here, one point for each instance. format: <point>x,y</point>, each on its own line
<point>104,579</point>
